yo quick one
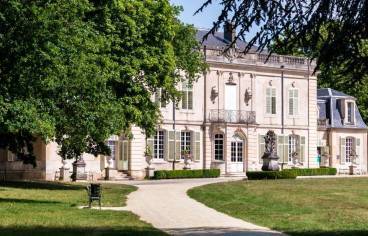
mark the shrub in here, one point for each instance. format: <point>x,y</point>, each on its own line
<point>181,174</point>
<point>313,171</point>
<point>254,175</point>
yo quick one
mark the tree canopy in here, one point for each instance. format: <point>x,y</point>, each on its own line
<point>304,19</point>
<point>78,71</point>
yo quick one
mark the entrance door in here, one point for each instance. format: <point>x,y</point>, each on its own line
<point>237,155</point>
<point>111,160</point>
<point>230,103</point>
<point>122,162</point>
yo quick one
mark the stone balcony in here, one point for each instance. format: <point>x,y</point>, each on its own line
<point>232,116</point>
<point>322,123</point>
<point>259,59</point>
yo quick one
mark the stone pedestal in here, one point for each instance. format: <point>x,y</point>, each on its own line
<point>150,172</point>
<point>270,164</point>
<point>79,170</point>
<point>64,174</point>
<point>107,173</point>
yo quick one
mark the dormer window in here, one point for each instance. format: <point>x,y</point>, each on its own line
<point>350,112</point>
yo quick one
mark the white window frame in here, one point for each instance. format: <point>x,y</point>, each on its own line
<point>237,149</point>
<point>185,142</point>
<point>161,103</point>
<point>350,115</point>
<point>187,91</point>
<point>219,155</point>
<point>349,146</point>
<point>292,147</point>
<point>111,144</point>
<point>271,101</point>
<point>293,94</point>
<point>159,145</point>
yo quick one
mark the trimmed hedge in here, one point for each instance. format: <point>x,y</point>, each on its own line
<point>181,174</point>
<point>255,175</point>
<point>313,171</point>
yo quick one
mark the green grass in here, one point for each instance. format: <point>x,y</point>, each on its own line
<point>297,207</point>
<point>35,208</point>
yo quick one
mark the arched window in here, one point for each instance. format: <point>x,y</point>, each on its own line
<point>219,147</point>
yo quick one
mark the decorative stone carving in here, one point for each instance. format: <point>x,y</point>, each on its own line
<point>247,96</point>
<point>214,94</point>
<point>270,158</point>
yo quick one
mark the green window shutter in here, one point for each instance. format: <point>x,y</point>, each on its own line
<point>150,141</point>
<point>196,145</point>
<point>357,150</point>
<point>171,145</point>
<point>262,147</point>
<point>342,150</point>
<point>285,158</point>
<point>296,102</point>
<point>273,101</point>
<point>125,150</point>
<point>177,146</point>
<point>280,147</point>
<point>268,101</point>
<point>190,100</point>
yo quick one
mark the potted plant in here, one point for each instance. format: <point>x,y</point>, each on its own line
<point>295,157</point>
<point>187,158</point>
<point>149,156</point>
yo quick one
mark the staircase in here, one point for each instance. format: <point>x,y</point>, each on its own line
<point>234,174</point>
<point>121,176</point>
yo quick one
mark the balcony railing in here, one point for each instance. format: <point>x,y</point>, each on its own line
<point>233,116</point>
<point>322,123</point>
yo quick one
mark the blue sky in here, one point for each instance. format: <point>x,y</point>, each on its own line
<point>203,19</point>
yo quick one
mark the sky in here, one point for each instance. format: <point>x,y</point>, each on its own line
<point>203,19</point>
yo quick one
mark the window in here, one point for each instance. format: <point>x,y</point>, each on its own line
<point>348,149</point>
<point>293,102</point>
<point>187,99</point>
<point>185,141</point>
<point>111,145</point>
<point>350,112</point>
<point>292,146</point>
<point>159,99</point>
<point>219,147</point>
<point>271,101</point>
<point>158,145</point>
<point>237,149</point>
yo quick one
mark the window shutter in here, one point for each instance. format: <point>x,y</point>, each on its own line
<point>190,100</point>
<point>196,145</point>
<point>268,101</point>
<point>291,107</point>
<point>184,100</point>
<point>177,146</point>
<point>302,149</point>
<point>286,150</point>
<point>262,147</point>
<point>357,150</point>
<point>296,102</point>
<point>342,150</point>
<point>125,150</point>
<point>273,100</point>
<point>171,145</point>
<point>280,147</point>
<point>150,142</point>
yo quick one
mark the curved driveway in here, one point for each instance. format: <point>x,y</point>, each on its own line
<point>166,206</point>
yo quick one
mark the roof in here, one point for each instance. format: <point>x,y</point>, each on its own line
<point>218,41</point>
<point>328,101</point>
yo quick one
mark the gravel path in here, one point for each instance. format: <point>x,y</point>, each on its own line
<point>166,206</point>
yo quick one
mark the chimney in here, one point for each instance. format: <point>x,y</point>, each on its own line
<point>229,31</point>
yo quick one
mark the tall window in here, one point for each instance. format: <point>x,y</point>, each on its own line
<point>236,149</point>
<point>350,112</point>
<point>111,145</point>
<point>185,141</point>
<point>158,145</point>
<point>292,146</point>
<point>187,99</point>
<point>159,99</point>
<point>219,147</point>
<point>293,102</point>
<point>271,101</point>
<point>349,149</point>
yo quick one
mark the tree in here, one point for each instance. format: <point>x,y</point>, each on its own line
<point>79,71</point>
<point>304,19</point>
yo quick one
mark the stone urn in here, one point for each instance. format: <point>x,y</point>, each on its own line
<point>270,158</point>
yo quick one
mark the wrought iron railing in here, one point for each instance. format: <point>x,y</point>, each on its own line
<point>233,116</point>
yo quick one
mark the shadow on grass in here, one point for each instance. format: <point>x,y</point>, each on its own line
<point>77,231</point>
<point>17,200</point>
<point>41,185</point>
<point>329,233</point>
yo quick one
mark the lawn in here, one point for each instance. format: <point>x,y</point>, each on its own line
<point>35,208</point>
<point>309,207</point>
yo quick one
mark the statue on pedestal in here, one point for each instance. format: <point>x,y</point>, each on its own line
<point>270,158</point>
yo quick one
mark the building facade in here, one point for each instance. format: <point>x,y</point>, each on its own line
<point>221,120</point>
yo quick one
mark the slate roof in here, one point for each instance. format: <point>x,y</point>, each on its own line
<point>217,41</point>
<point>328,105</point>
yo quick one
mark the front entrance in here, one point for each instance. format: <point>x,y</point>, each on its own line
<point>122,162</point>
<point>236,164</point>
